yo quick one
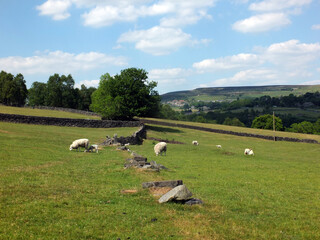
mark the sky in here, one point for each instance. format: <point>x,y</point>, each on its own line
<point>182,44</point>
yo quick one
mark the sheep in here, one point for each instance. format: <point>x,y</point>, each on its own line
<point>160,148</point>
<point>248,151</point>
<point>218,146</point>
<point>80,143</point>
<point>195,143</point>
<point>93,147</point>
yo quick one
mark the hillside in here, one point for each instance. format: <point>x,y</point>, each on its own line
<point>233,93</point>
<point>49,192</point>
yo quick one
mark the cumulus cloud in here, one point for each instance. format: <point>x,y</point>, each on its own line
<point>226,63</point>
<point>61,62</point>
<point>262,23</point>
<point>272,14</point>
<point>57,9</point>
<point>278,63</point>
<point>157,40</point>
<point>107,12</point>
<point>277,5</point>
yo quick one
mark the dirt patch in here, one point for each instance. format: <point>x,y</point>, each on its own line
<point>129,191</point>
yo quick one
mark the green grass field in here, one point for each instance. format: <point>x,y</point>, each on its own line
<point>49,192</point>
<point>44,113</point>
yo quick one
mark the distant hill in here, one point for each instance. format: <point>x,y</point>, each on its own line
<point>233,93</point>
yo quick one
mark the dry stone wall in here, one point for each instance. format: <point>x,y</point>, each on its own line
<point>228,132</point>
<point>67,122</point>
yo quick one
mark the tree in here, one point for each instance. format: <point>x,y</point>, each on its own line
<point>13,90</point>
<point>37,94</point>
<point>266,122</point>
<point>233,122</point>
<point>303,127</point>
<point>126,95</point>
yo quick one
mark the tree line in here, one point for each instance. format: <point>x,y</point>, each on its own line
<point>59,91</point>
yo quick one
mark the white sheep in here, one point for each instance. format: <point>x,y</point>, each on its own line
<point>248,151</point>
<point>93,147</point>
<point>160,148</point>
<point>218,146</point>
<point>195,143</point>
<point>80,143</point>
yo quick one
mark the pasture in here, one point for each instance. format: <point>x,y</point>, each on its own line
<point>49,192</point>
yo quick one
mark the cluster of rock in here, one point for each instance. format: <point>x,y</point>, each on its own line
<point>179,193</point>
<point>135,139</point>
<point>138,161</point>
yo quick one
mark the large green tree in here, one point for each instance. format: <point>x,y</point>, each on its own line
<point>126,95</point>
<point>266,122</point>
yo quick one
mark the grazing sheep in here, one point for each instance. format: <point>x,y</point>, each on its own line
<point>93,147</point>
<point>195,143</point>
<point>80,143</point>
<point>218,146</point>
<point>160,148</point>
<point>248,151</point>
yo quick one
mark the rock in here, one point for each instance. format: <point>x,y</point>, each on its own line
<point>140,159</point>
<point>193,201</point>
<point>123,148</point>
<point>171,184</point>
<point>157,166</point>
<point>178,193</point>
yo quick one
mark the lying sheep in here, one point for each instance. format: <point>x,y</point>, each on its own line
<point>160,148</point>
<point>248,151</point>
<point>80,143</point>
<point>195,143</point>
<point>93,147</point>
<point>218,146</point>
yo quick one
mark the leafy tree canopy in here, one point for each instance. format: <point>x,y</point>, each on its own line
<point>266,122</point>
<point>126,95</point>
<point>13,90</point>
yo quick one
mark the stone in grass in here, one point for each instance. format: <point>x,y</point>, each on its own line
<point>193,201</point>
<point>157,165</point>
<point>170,183</point>
<point>178,193</point>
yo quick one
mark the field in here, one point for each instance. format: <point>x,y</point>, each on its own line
<point>44,113</point>
<point>234,93</point>
<point>49,192</point>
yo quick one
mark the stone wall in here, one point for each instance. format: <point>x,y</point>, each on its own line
<point>66,110</point>
<point>67,122</point>
<point>228,132</point>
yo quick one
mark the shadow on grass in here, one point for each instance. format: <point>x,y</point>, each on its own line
<point>163,129</point>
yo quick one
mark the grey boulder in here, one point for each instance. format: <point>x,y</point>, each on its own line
<point>178,193</point>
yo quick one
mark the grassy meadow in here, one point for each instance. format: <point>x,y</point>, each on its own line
<point>44,113</point>
<point>49,192</point>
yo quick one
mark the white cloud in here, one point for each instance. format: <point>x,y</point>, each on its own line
<point>169,79</point>
<point>88,83</point>
<point>107,12</point>
<point>60,62</point>
<point>292,54</point>
<point>157,40</point>
<point>279,63</point>
<point>57,9</point>
<point>262,23</point>
<point>315,27</point>
<point>273,14</point>
<point>230,62</point>
<point>277,5</point>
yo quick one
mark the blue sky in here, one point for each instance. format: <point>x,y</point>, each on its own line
<point>182,44</point>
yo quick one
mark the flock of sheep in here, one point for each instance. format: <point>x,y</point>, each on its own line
<point>159,148</point>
